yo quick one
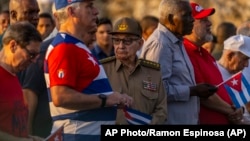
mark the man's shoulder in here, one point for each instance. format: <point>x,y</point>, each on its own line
<point>45,44</point>
<point>107,60</point>
<point>150,64</point>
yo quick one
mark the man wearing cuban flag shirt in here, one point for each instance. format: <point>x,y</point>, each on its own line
<point>80,96</point>
<point>234,59</point>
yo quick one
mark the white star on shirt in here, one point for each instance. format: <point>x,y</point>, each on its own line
<point>234,82</point>
<point>92,59</point>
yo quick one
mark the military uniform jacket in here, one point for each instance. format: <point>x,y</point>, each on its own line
<point>144,84</point>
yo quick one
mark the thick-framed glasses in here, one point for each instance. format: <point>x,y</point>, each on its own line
<point>31,54</point>
<point>126,41</point>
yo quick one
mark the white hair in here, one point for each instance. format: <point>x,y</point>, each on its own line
<point>62,14</point>
<point>167,7</point>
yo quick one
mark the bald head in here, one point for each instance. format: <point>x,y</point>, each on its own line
<point>244,29</point>
<point>24,10</point>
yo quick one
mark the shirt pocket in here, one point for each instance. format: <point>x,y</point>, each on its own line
<point>150,95</point>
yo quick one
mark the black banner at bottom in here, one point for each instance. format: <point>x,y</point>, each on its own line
<point>160,132</point>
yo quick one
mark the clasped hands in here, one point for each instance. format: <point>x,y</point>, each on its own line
<point>236,116</point>
<point>203,90</point>
<point>121,100</point>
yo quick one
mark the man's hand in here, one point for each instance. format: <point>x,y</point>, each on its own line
<point>125,101</point>
<point>203,90</point>
<point>236,116</point>
<point>119,99</point>
<point>247,105</point>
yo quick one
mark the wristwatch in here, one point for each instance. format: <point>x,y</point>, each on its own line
<point>103,98</point>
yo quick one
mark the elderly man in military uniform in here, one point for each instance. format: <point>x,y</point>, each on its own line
<point>139,78</point>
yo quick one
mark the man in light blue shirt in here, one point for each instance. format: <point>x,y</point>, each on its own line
<point>165,47</point>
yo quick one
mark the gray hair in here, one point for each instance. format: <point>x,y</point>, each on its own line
<point>167,7</point>
<point>62,13</point>
<point>22,32</point>
<point>244,29</point>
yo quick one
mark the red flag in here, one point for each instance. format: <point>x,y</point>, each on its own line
<point>56,136</point>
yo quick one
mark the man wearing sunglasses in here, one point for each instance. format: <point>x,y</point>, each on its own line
<point>139,78</point>
<point>21,45</point>
<point>32,78</point>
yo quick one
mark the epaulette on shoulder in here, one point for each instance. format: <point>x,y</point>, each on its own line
<point>150,64</point>
<point>108,59</point>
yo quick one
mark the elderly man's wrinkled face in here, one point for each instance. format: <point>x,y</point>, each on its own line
<point>87,15</point>
<point>183,20</point>
<point>24,56</point>
<point>202,30</point>
<point>238,62</point>
<point>126,45</point>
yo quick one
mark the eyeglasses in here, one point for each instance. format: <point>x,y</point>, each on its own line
<point>126,41</point>
<point>31,54</point>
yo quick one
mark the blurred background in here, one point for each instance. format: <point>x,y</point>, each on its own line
<point>234,11</point>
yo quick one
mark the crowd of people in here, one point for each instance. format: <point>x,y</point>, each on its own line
<point>74,69</point>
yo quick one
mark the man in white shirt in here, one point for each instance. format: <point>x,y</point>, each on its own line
<point>235,58</point>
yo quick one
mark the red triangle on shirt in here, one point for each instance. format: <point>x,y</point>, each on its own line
<point>235,81</point>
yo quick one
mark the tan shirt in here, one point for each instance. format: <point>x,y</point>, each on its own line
<point>151,100</point>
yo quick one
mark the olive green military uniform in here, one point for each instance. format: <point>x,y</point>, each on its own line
<point>144,84</point>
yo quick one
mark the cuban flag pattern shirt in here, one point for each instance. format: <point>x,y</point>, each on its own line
<point>69,62</point>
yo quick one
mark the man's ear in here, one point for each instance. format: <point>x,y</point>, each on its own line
<point>171,19</point>
<point>71,11</point>
<point>13,46</point>
<point>141,42</point>
<point>13,15</point>
<point>230,55</point>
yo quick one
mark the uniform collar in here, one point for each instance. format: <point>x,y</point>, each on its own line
<point>119,64</point>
